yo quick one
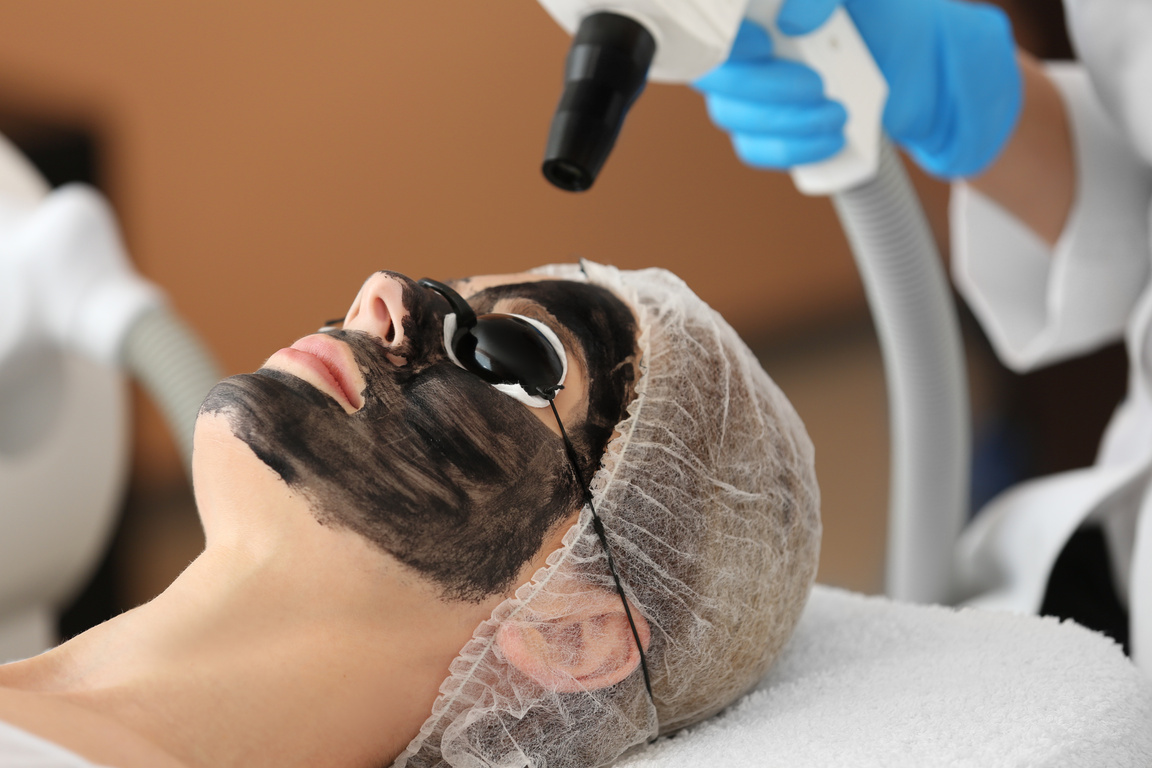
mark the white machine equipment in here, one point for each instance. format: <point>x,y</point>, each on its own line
<point>74,317</point>
<point>619,44</point>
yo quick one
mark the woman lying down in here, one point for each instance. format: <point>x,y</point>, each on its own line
<point>410,561</point>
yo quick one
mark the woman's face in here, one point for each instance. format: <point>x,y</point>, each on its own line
<point>384,435</point>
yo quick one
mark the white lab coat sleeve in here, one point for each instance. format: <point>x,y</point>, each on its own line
<point>1039,304</point>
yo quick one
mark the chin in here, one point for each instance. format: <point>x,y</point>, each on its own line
<point>224,470</point>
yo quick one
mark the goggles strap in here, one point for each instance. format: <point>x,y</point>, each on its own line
<point>549,394</point>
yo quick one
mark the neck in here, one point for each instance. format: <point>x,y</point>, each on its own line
<point>320,654</point>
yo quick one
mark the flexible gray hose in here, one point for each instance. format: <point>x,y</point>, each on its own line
<point>927,387</point>
<point>175,369</point>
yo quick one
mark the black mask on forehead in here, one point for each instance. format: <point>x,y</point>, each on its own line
<point>438,469</point>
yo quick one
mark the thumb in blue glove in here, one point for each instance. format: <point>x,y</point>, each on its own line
<point>954,85</point>
<point>775,110</point>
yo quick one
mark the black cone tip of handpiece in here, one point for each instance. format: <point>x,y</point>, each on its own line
<point>606,70</point>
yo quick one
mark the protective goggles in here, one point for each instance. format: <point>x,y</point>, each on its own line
<point>521,357</point>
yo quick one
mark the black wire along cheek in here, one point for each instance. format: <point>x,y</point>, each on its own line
<point>507,349</point>
<point>549,394</point>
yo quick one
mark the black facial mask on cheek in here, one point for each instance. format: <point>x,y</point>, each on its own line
<point>438,469</point>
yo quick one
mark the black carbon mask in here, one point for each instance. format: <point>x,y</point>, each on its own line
<point>438,469</point>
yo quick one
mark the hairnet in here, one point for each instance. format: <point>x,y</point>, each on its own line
<point>709,498</point>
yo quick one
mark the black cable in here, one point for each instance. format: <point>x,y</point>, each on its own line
<point>549,394</point>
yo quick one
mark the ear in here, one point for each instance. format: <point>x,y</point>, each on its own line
<point>580,643</point>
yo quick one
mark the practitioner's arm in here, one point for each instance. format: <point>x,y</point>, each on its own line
<point>1034,177</point>
<point>963,102</point>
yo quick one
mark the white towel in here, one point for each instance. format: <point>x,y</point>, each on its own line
<point>869,682</point>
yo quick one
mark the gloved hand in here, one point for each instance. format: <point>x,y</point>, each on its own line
<point>954,85</point>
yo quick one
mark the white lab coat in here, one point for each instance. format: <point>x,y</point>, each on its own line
<point>1040,304</point>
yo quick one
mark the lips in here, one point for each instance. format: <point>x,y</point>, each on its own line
<point>331,364</point>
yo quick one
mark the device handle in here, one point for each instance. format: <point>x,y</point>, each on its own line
<point>838,53</point>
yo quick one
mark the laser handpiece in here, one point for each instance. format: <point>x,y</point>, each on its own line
<point>606,70</point>
<point>620,44</point>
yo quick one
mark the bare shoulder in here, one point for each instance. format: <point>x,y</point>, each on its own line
<point>88,734</point>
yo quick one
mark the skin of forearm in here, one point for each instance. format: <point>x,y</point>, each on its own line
<point>1035,176</point>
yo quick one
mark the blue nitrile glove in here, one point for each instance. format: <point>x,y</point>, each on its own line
<point>954,85</point>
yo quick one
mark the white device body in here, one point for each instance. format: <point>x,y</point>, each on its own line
<point>67,297</point>
<point>694,36</point>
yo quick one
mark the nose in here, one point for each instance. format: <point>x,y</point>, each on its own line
<point>379,309</point>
